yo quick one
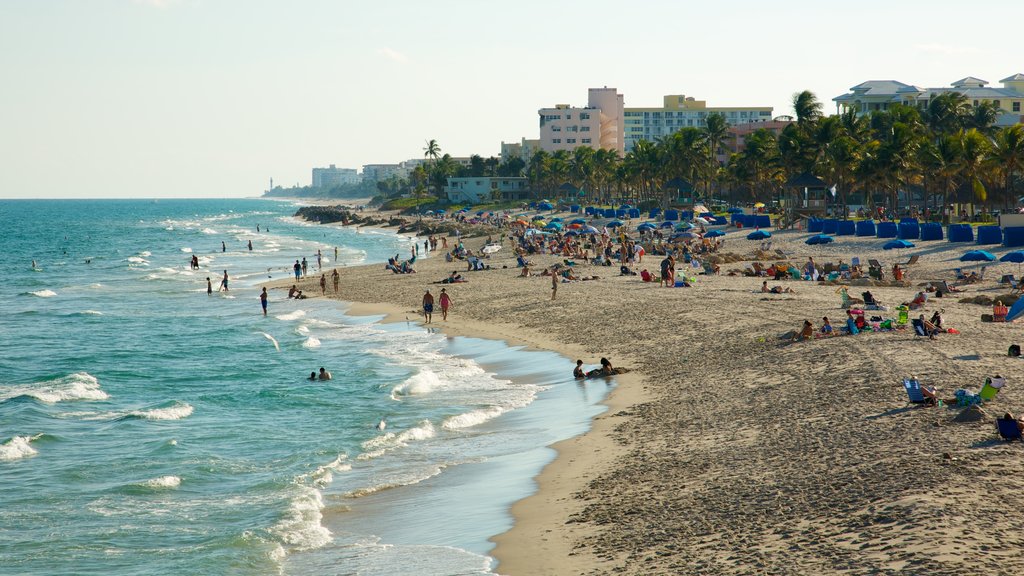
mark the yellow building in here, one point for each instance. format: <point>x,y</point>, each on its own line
<point>679,111</point>
<point>875,95</point>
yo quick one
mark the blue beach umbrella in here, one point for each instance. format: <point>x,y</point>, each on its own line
<point>714,234</point>
<point>553,226</point>
<point>759,235</point>
<point>589,230</point>
<point>615,224</point>
<point>1017,256</point>
<point>1016,310</point>
<point>545,206</point>
<point>646,226</point>
<point>556,220</point>
<point>684,226</point>
<point>480,213</point>
<point>578,221</point>
<point>819,239</point>
<point>572,233</point>
<point>538,217</point>
<point>666,225</point>
<point>897,245</point>
<point>978,256</point>
<point>440,211</point>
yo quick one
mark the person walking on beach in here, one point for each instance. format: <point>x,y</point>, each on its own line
<point>335,255</point>
<point>319,260</point>
<point>224,282</point>
<point>298,269</point>
<point>335,277</point>
<point>263,300</point>
<point>428,306</point>
<point>554,283</point>
<point>209,287</point>
<point>446,302</point>
<point>323,284</point>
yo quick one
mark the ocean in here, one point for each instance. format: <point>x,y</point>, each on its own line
<point>149,428</point>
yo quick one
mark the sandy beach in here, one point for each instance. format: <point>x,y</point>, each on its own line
<point>725,451</point>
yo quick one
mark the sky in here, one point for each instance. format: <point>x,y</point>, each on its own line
<point>212,98</point>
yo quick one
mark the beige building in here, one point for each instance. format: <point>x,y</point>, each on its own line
<point>877,95</point>
<point>598,125</point>
<point>524,149</point>
<point>679,111</point>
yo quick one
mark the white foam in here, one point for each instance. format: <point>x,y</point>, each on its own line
<point>300,527</point>
<point>302,330</point>
<point>323,475</point>
<point>77,386</point>
<point>145,253</point>
<point>474,418</point>
<point>423,382</point>
<point>163,482</point>
<point>137,260</point>
<point>44,293</point>
<point>186,250</point>
<point>210,231</point>
<point>92,312</point>
<point>292,315</point>
<point>384,443</point>
<point>17,448</point>
<point>177,412</point>
<point>273,340</point>
<point>311,342</point>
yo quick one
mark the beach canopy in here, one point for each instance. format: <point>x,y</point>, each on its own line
<point>538,217</point>
<point>545,206</point>
<point>578,221</point>
<point>714,234</point>
<point>556,219</point>
<point>440,211</point>
<point>684,226</point>
<point>590,230</point>
<point>615,224</point>
<point>646,226</point>
<point>978,256</point>
<point>759,235</point>
<point>897,245</point>
<point>819,239</point>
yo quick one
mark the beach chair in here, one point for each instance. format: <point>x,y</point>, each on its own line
<point>959,272</point>
<point>991,387</point>
<point>855,261</point>
<point>875,263</point>
<point>918,327</point>
<point>913,260</point>
<point>914,394</point>
<point>1008,279</point>
<point>1008,430</point>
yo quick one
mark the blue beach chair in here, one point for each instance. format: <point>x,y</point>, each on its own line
<point>1008,430</point>
<point>913,388</point>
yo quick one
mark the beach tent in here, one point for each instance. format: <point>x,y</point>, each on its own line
<point>931,231</point>
<point>553,226</point>
<point>829,226</point>
<point>816,224</point>
<point>897,245</point>
<point>819,239</point>
<point>846,228</point>
<point>714,234</point>
<point>866,228</point>
<point>678,235</point>
<point>886,230</point>
<point>1013,236</point>
<point>960,233</point>
<point>990,235</point>
<point>977,256</point>
<point>759,235</point>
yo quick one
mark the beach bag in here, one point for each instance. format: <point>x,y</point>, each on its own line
<point>1014,350</point>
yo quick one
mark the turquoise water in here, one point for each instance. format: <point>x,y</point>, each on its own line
<point>148,428</point>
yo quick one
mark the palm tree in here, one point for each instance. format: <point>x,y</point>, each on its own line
<point>716,128</point>
<point>1008,157</point>
<point>943,161</point>
<point>807,107</point>
<point>946,113</point>
<point>432,150</point>
<point>975,151</point>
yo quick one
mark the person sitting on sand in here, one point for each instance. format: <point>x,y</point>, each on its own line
<point>300,296</point>
<point>897,272</point>
<point>605,369</point>
<point>919,301</point>
<point>929,329</point>
<point>806,332</point>
<point>826,326</point>
<point>936,320</point>
<point>578,372</point>
<point>292,291</point>
<point>646,276</point>
<point>526,272</point>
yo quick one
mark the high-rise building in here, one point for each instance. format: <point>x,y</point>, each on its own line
<point>598,125</point>
<point>877,95</point>
<point>678,111</point>
<point>334,176</point>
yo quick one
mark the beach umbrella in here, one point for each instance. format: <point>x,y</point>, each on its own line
<point>897,245</point>
<point>646,226</point>
<point>759,235</point>
<point>666,225</point>
<point>625,207</point>
<point>440,211</point>
<point>714,234</point>
<point>735,210</point>
<point>615,224</point>
<point>539,223</point>
<point>480,213</point>
<point>538,217</point>
<point>556,220</point>
<point>578,221</point>
<point>759,205</point>
<point>978,256</point>
<point>553,226</point>
<point>684,226</point>
<point>545,206</point>
<point>1016,256</point>
<point>572,233</point>
<point>575,225</point>
<point>1016,310</point>
<point>819,239</point>
<point>590,230</point>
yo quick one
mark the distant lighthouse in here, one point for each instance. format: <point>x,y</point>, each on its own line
<point>271,189</point>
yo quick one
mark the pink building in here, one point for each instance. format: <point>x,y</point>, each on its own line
<point>598,125</point>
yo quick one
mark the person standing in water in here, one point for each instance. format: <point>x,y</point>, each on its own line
<point>257,227</point>
<point>209,287</point>
<point>224,282</point>
<point>319,260</point>
<point>250,245</point>
<point>223,247</point>
<point>446,302</point>
<point>323,284</point>
<point>335,255</point>
<point>263,300</point>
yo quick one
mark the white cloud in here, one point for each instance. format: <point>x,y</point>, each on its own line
<point>947,49</point>
<point>393,55</point>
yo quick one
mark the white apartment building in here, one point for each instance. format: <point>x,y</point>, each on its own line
<point>378,172</point>
<point>476,189</point>
<point>598,125</point>
<point>680,111</point>
<point>334,176</point>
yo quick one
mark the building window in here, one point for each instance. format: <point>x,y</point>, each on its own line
<point>996,103</point>
<point>556,141</point>
<point>570,140</point>
<point>572,129</point>
<point>587,128</point>
<point>586,140</point>
<point>556,128</point>
<point>1016,106</point>
<point>552,116</point>
<point>584,115</point>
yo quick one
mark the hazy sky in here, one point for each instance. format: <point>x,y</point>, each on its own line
<point>156,98</point>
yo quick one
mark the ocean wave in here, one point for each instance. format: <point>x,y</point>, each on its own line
<point>395,483</point>
<point>177,411</point>
<point>77,386</point>
<point>302,330</point>
<point>163,482</point>
<point>91,313</point>
<point>145,253</point>
<point>423,382</point>
<point>311,342</point>
<point>17,448</point>
<point>272,340</point>
<point>137,260</point>
<point>295,315</point>
<point>324,475</point>
<point>380,445</point>
<point>474,418</point>
<point>300,527</point>
<point>209,231</point>
<point>186,250</point>
<point>45,293</point>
